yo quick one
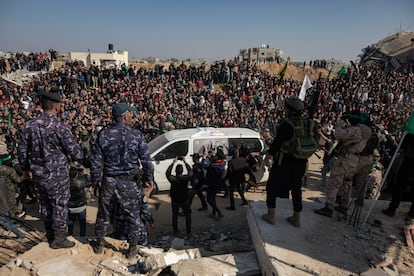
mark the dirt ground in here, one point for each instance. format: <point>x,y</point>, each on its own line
<point>382,238</point>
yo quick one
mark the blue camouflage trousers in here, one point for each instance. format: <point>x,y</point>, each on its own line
<point>121,196</point>
<point>54,194</point>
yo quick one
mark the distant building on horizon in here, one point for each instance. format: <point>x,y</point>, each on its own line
<point>108,59</point>
<point>262,54</point>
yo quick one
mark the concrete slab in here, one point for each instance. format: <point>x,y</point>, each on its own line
<point>286,250</point>
<point>65,266</point>
<point>227,264</point>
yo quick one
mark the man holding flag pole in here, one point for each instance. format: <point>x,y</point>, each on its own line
<point>405,176</point>
<point>405,172</point>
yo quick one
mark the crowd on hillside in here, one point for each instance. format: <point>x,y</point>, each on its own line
<point>224,94</point>
<point>12,62</point>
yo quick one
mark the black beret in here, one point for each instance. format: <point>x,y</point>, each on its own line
<point>294,104</point>
<point>51,96</point>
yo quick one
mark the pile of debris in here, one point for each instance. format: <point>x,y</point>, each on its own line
<point>150,261</point>
<point>391,53</point>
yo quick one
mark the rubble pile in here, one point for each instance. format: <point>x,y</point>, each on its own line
<point>391,53</point>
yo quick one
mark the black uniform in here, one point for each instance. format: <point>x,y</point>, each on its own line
<point>180,197</point>
<point>286,173</point>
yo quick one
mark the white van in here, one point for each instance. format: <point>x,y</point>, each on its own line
<point>184,142</point>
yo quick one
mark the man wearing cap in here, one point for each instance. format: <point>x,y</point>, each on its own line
<point>44,147</point>
<point>117,155</point>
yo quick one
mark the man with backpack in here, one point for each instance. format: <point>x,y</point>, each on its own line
<point>293,144</point>
<point>236,170</point>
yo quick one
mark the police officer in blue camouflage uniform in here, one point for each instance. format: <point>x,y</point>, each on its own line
<point>115,163</point>
<point>44,147</point>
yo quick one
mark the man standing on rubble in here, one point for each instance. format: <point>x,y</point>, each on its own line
<point>289,160</point>
<point>115,165</point>
<point>44,147</point>
<point>353,136</point>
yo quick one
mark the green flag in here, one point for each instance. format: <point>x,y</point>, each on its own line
<point>282,71</point>
<point>329,73</point>
<point>342,71</point>
<point>410,125</point>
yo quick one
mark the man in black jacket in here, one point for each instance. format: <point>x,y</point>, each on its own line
<point>180,197</point>
<point>236,170</point>
<point>197,182</point>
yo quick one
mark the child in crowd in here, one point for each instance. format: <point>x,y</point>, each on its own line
<point>77,202</point>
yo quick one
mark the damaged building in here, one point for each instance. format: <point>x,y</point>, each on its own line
<point>391,53</point>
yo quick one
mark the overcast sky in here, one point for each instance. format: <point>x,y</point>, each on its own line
<point>209,29</point>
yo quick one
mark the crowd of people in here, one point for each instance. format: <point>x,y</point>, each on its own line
<point>13,62</point>
<point>234,93</point>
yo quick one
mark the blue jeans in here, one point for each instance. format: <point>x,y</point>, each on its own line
<point>7,224</point>
<point>81,217</point>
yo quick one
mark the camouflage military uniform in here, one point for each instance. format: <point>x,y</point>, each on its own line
<point>11,178</point>
<point>374,180</point>
<point>44,144</point>
<point>354,139</point>
<point>117,154</point>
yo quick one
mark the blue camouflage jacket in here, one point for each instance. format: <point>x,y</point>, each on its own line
<point>120,150</point>
<point>45,144</point>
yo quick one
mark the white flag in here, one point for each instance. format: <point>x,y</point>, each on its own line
<point>305,86</point>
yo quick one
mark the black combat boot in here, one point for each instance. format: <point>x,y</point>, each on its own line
<point>98,246</point>
<point>326,211</point>
<point>295,219</point>
<point>132,252</point>
<point>50,234</point>
<point>60,241</point>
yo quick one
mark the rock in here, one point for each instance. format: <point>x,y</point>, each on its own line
<point>171,257</point>
<point>177,243</point>
<point>18,262</point>
<point>222,237</point>
<point>229,264</point>
<point>149,251</point>
<point>27,265</point>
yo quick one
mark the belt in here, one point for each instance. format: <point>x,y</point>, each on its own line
<point>124,177</point>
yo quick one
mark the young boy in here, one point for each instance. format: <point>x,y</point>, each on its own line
<point>77,202</point>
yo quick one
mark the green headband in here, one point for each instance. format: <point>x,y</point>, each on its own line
<point>363,117</point>
<point>4,159</point>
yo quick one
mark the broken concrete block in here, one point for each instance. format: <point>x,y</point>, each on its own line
<point>149,251</point>
<point>177,243</point>
<point>18,262</point>
<point>171,257</point>
<point>229,264</point>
